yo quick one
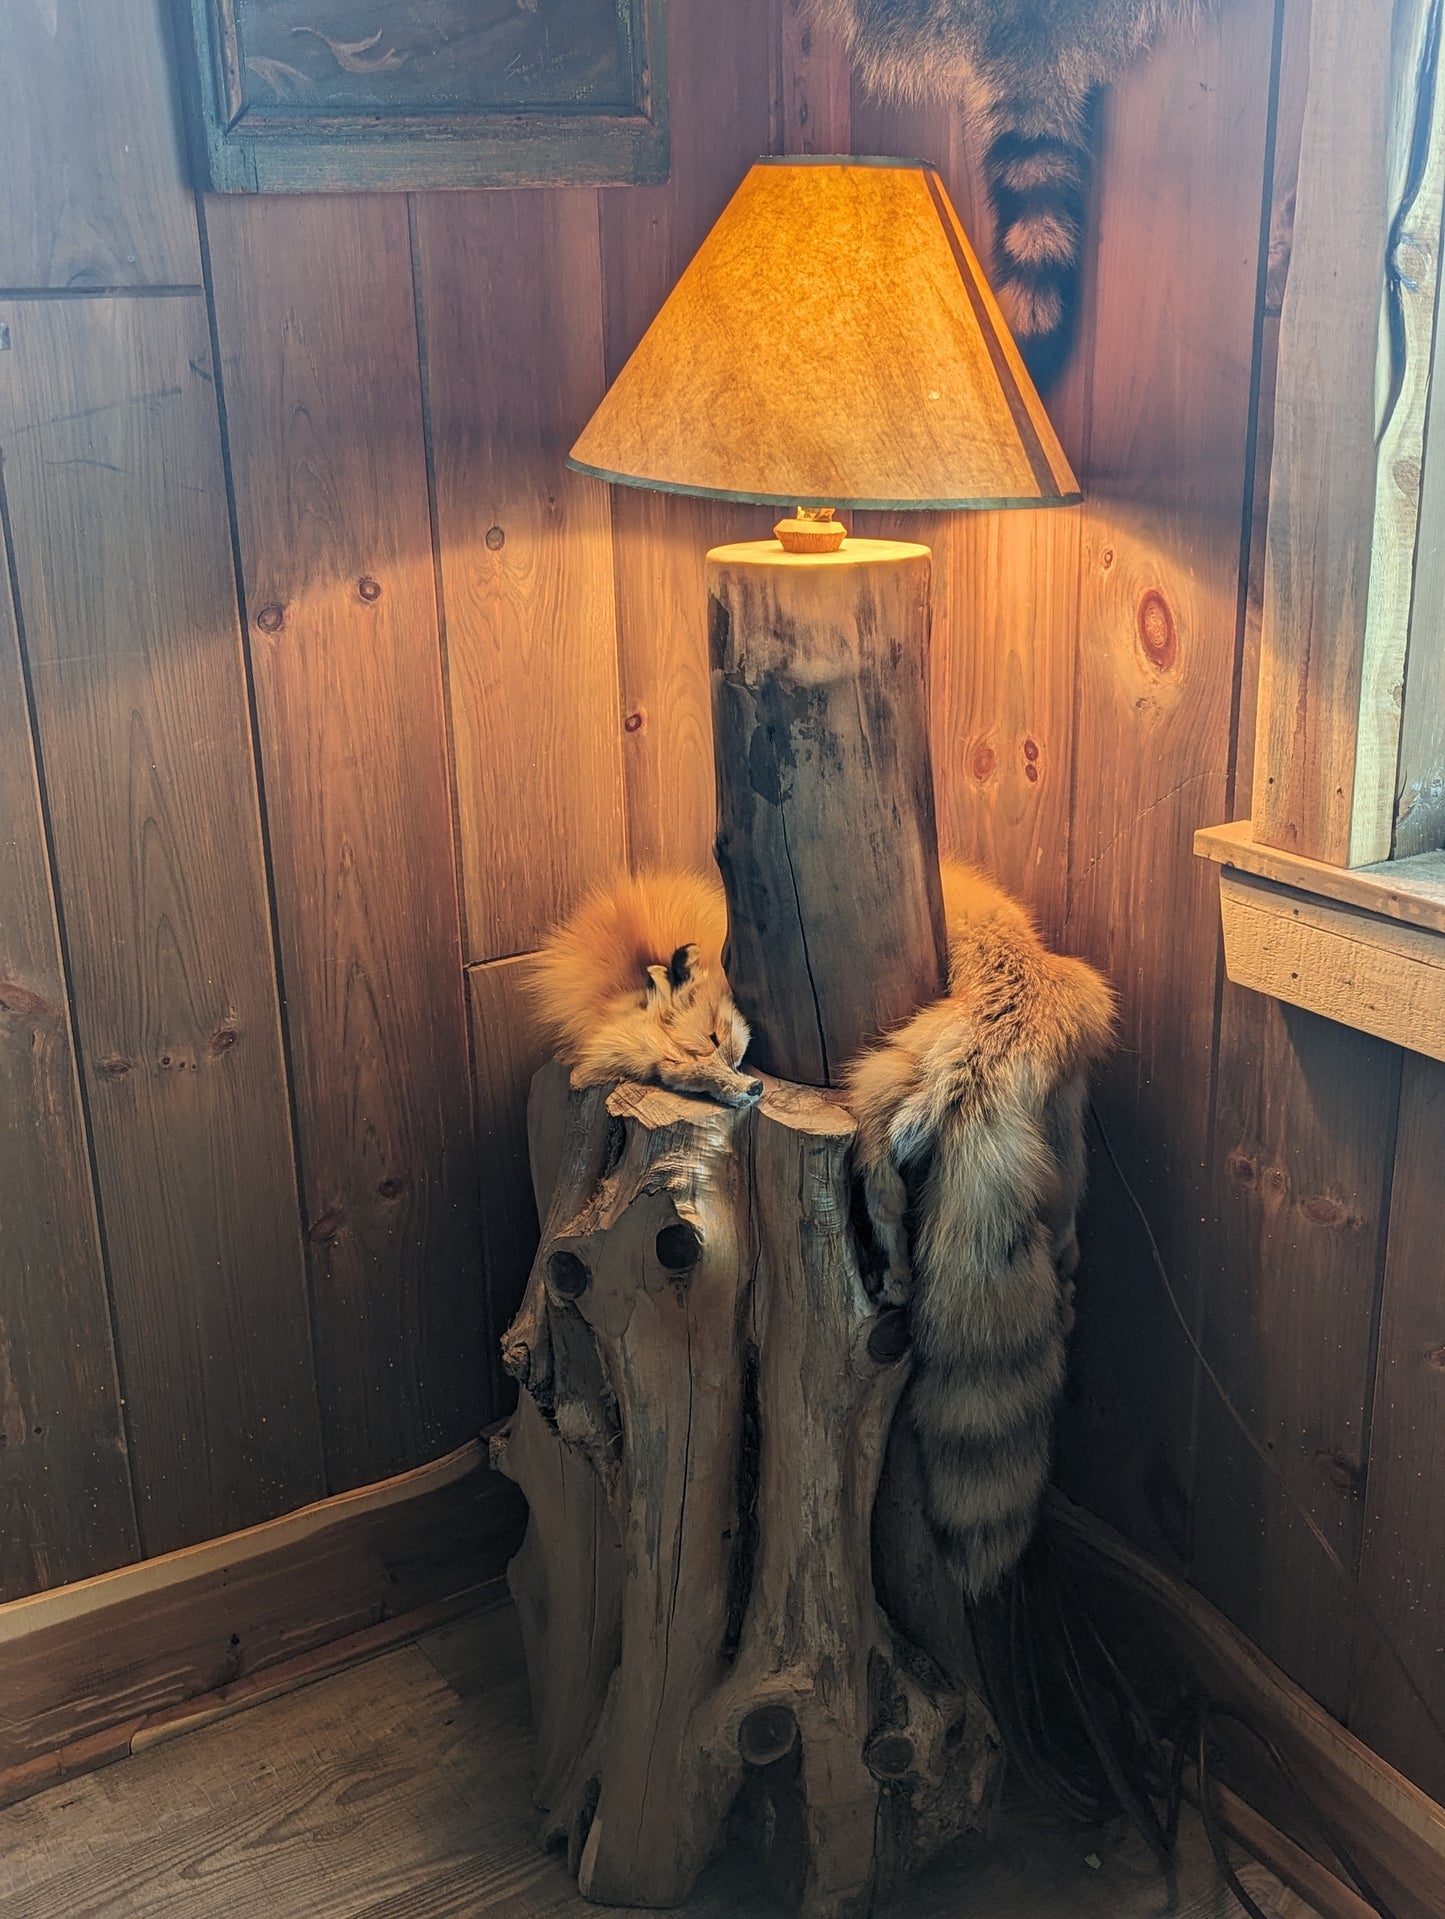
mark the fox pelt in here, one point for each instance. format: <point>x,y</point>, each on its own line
<point>1025,72</point>
<point>970,1133</point>
<point>631,986</point>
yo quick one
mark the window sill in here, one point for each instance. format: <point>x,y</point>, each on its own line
<point>1362,945</point>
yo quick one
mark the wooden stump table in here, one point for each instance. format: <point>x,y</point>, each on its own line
<point>708,1393</point>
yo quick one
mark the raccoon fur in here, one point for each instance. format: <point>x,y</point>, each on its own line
<point>631,986</point>
<point>1026,72</point>
<point>970,1131</point>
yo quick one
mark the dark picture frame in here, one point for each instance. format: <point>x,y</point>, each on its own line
<point>306,96</point>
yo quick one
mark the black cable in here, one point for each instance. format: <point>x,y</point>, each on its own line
<point>1211,1823</point>
<point>1306,1807</point>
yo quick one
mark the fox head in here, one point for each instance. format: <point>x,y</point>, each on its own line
<point>680,1030</point>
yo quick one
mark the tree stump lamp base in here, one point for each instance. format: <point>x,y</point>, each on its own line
<point>826,836</point>
<point>708,1395</point>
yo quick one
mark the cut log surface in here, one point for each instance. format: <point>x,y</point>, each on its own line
<point>708,1397</point>
<point>826,839</point>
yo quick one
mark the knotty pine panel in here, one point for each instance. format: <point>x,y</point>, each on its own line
<point>511,301</point>
<point>1303,1140</point>
<point>117,508</point>
<point>92,180</point>
<point>314,311</point>
<point>65,1498</point>
<point>1397,1702</point>
<point>721,78</point>
<point>507,1052</point>
<point>1169,336</point>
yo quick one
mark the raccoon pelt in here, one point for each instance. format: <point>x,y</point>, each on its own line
<point>970,1132</point>
<point>1025,72</point>
<point>631,986</point>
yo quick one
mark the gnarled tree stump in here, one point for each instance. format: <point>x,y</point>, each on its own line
<point>708,1396</point>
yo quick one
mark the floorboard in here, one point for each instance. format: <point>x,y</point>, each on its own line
<point>397,1790</point>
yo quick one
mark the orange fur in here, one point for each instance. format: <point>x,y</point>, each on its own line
<point>631,986</point>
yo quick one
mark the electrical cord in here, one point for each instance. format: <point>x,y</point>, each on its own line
<point>1084,1744</point>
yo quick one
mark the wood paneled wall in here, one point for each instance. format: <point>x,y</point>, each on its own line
<point>324,687</point>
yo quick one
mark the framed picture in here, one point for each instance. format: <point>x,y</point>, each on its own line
<point>305,96</point>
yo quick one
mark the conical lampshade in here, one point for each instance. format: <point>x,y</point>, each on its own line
<point>833,343</point>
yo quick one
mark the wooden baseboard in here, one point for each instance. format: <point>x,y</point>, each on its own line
<point>91,1671</point>
<point>1396,1831</point>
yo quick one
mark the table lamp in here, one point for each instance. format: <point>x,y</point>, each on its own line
<point>833,343</point>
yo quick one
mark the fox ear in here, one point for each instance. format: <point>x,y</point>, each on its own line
<point>679,967</point>
<point>659,983</point>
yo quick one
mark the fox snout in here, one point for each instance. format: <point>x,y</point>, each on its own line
<point>714,1077</point>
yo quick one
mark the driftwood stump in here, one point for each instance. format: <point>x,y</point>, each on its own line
<point>708,1397</point>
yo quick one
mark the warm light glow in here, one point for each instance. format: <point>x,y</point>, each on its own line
<point>833,342</point>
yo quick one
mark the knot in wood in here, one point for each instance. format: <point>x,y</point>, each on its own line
<point>889,1339</point>
<point>889,1755</point>
<point>767,1735</point>
<point>567,1274</point>
<point>679,1247</point>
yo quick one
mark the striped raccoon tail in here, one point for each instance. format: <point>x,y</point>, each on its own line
<point>1037,171</point>
<point>988,1340</point>
<point>955,1147</point>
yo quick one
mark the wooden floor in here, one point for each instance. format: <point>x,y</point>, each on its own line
<point>398,1790</point>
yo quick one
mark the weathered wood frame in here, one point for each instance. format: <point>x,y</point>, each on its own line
<point>236,150</point>
<point>1350,742</point>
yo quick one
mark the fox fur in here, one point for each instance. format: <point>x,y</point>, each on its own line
<point>970,1129</point>
<point>631,986</point>
<point>1025,72</point>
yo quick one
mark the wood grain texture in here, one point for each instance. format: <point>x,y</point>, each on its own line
<point>61,1424</point>
<point>827,841</point>
<point>92,183</point>
<point>1411,891</point>
<point>1367,972</point>
<point>1302,1149</point>
<point>398,1790</point>
<point>1003,730</point>
<point>813,85</point>
<point>1170,332</point>
<point>117,508</point>
<point>1395,1829</point>
<point>697,1329</point>
<point>1403,1564</point>
<point>1419,784</point>
<point>1345,486</point>
<point>314,312</point>
<point>511,299</point>
<point>506,1052</point>
<point>721,74</point>
<point>86,1668</point>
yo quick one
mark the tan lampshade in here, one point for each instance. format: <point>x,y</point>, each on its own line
<point>833,343</point>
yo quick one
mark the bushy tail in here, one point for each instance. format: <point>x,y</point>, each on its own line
<point>988,1338</point>
<point>1038,183</point>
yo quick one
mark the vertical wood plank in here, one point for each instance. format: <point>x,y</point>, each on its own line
<point>1005,611</point>
<point>507,1051</point>
<point>511,295</point>
<point>118,512</point>
<point>1420,779</point>
<point>314,311</point>
<point>92,182</point>
<point>66,1509</point>
<point>720,74</point>
<point>814,84</point>
<point>1345,488</point>
<point>1303,1141</point>
<point>1171,340</point>
<point>1290,91</point>
<point>1402,1571</point>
